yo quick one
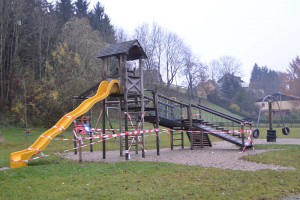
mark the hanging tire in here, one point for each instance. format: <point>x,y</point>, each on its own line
<point>255,133</point>
<point>271,136</point>
<point>285,130</point>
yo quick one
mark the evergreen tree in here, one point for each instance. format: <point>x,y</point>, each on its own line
<point>230,85</point>
<point>255,74</point>
<point>65,11</point>
<point>264,79</point>
<point>101,22</point>
<point>81,8</point>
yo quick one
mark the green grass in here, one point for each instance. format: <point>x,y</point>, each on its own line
<point>56,178</point>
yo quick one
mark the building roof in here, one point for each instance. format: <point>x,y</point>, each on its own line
<point>282,97</point>
<point>132,49</point>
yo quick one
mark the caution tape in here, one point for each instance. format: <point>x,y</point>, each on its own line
<point>129,118</point>
<point>142,119</point>
<point>103,137</point>
<point>34,158</point>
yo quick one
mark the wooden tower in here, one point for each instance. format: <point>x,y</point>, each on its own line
<point>131,99</point>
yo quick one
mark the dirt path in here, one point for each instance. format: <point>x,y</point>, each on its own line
<point>222,155</point>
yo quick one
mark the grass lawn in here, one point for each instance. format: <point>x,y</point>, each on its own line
<point>56,178</point>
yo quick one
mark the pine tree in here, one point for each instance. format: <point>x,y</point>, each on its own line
<point>101,22</point>
<point>255,73</point>
<point>230,86</point>
<point>65,11</point>
<point>81,8</point>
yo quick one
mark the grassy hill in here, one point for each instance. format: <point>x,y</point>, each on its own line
<point>181,95</point>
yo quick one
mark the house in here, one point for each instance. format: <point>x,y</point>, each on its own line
<point>286,103</point>
<point>208,87</point>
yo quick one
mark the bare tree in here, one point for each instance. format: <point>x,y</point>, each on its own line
<point>174,54</point>
<point>158,37</point>
<point>165,52</point>
<point>224,65</point>
<point>121,35</point>
<point>142,34</point>
<point>150,38</point>
<point>293,76</point>
<point>194,71</point>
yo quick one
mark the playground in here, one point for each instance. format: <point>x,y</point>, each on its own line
<point>122,87</point>
<point>190,151</point>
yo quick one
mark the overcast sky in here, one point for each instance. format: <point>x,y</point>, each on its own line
<point>266,32</point>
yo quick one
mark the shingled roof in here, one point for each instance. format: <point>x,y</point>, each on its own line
<point>132,49</point>
<point>282,97</point>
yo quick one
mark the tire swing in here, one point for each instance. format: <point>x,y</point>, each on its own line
<point>255,133</point>
<point>285,130</point>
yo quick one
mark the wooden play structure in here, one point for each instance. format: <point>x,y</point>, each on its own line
<point>122,88</point>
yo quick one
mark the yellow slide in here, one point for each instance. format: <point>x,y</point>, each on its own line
<point>20,158</point>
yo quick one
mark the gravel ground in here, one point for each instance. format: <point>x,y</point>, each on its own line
<point>222,155</point>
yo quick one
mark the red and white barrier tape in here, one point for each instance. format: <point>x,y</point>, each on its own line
<point>34,158</point>
<point>142,119</point>
<point>103,137</point>
<point>129,118</point>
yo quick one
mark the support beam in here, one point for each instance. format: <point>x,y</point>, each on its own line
<point>103,129</point>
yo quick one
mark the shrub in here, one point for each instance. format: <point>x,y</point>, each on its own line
<point>235,107</point>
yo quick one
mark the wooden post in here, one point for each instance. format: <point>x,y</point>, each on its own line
<point>124,81</point>
<point>80,149</point>
<point>243,134</point>
<point>201,138</point>
<point>141,66</point>
<point>270,115</point>
<point>182,140</point>
<point>126,138</point>
<point>171,139</point>
<point>91,141</point>
<point>191,140</point>
<point>189,115</point>
<point>75,144</point>
<point>271,134</point>
<point>91,135</point>
<point>155,97</point>
<point>103,129</point>
<point>120,127</point>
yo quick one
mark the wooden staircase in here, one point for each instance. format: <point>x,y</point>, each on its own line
<point>197,138</point>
